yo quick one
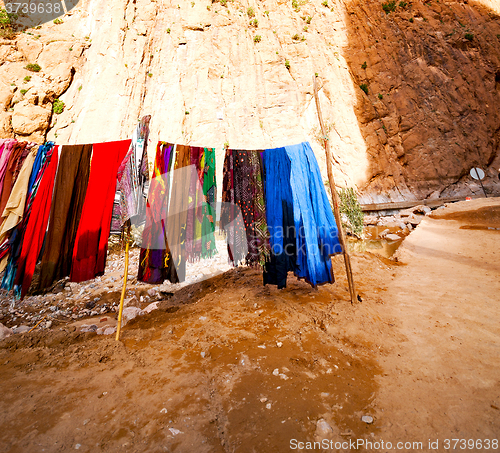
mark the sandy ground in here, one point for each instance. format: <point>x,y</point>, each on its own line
<point>227,365</point>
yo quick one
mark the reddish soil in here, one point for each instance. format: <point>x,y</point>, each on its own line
<point>228,365</point>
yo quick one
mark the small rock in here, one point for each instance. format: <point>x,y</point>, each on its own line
<point>279,344</point>
<point>21,329</point>
<point>367,419</point>
<point>77,446</point>
<point>5,332</point>
<point>323,428</point>
<point>263,400</point>
<point>130,313</point>
<point>268,406</point>
<point>174,431</point>
<point>109,331</point>
<point>151,307</point>
<point>392,237</point>
<point>163,411</point>
<point>203,354</point>
<point>48,324</point>
<point>276,372</point>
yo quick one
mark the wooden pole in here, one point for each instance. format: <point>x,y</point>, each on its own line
<point>335,198</point>
<point>122,298</point>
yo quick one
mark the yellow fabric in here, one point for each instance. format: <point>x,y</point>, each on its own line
<point>13,212</point>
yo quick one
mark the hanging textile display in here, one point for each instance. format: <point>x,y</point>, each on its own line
<point>14,208</point>
<point>17,235</point>
<point>133,180</point>
<point>16,159</point>
<point>155,259</point>
<point>69,195</point>
<point>91,242</point>
<point>295,229</point>
<point>280,221</point>
<point>244,208</point>
<point>317,233</point>
<point>37,224</point>
<point>6,150</point>
<point>180,222</point>
<point>208,211</point>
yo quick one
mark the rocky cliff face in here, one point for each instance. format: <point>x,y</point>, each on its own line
<point>241,73</point>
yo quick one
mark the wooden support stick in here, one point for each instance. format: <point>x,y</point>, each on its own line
<point>125,275</point>
<point>335,198</point>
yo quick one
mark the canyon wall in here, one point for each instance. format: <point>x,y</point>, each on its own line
<point>241,73</point>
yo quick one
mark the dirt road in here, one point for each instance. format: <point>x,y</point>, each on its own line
<point>228,365</point>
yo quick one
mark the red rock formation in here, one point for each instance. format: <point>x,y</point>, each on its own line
<point>432,73</point>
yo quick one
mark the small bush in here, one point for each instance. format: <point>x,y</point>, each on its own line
<point>296,37</point>
<point>168,30</point>
<point>349,206</point>
<point>23,92</point>
<point>469,36</point>
<point>58,21</point>
<point>325,3</point>
<point>58,106</point>
<point>6,30</point>
<point>287,64</point>
<point>223,3</point>
<point>403,4</point>
<point>308,20</point>
<point>150,74</point>
<point>364,87</point>
<point>306,28</point>
<point>257,38</point>
<point>410,20</point>
<point>254,23</point>
<point>33,67</point>
<point>27,79</point>
<point>389,7</point>
<point>250,12</point>
<point>380,96</point>
<point>364,65</point>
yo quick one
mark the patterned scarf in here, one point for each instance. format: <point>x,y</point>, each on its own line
<point>244,207</point>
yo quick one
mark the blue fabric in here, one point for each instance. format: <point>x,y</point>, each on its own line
<point>316,230</point>
<point>279,216</point>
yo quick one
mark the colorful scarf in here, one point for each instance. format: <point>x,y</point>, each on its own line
<point>40,164</point>
<point>208,247</point>
<point>244,206</point>
<point>36,226</point>
<point>69,195</point>
<point>155,259</point>
<point>133,178</point>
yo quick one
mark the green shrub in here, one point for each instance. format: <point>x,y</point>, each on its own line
<point>296,37</point>
<point>325,3</point>
<point>257,38</point>
<point>33,67</point>
<point>364,87</point>
<point>23,92</point>
<point>223,3</point>
<point>250,12</point>
<point>6,30</point>
<point>389,7</point>
<point>403,4</point>
<point>410,20</point>
<point>266,13</point>
<point>168,30</point>
<point>469,36</point>
<point>287,64</point>
<point>308,20</point>
<point>350,207</point>
<point>364,65</point>
<point>380,96</point>
<point>58,21</point>
<point>58,106</point>
<point>306,28</point>
<point>27,79</point>
<point>254,23</point>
